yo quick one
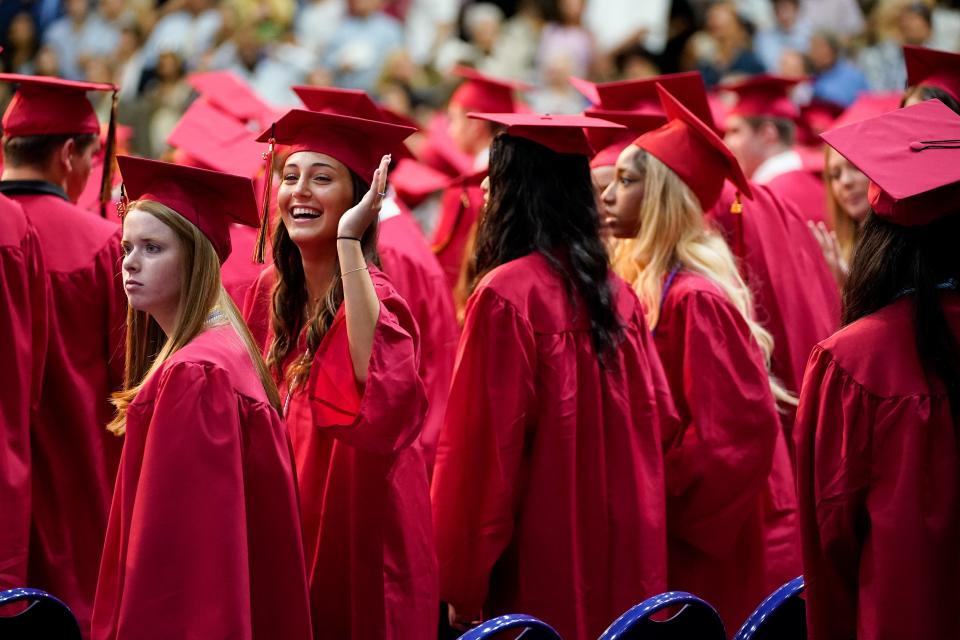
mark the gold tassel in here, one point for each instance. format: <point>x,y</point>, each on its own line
<point>261,246</point>
<point>736,208</point>
<point>106,181</point>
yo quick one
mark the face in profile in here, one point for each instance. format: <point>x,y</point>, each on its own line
<point>314,193</point>
<point>80,168</point>
<point>745,143</point>
<point>848,185</point>
<point>623,196</point>
<point>152,265</point>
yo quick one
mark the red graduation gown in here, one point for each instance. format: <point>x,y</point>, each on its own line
<point>795,295</point>
<point>414,271</point>
<point>204,538</point>
<point>74,457</point>
<point>363,483</point>
<point>731,504</point>
<point>459,210</point>
<point>239,271</point>
<point>805,190</point>
<point>879,485</point>
<point>23,338</point>
<point>548,494</point>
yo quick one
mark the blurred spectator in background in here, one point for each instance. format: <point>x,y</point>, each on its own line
<point>564,41</point>
<point>81,34</point>
<point>481,32</point>
<point>842,17</point>
<point>835,79</point>
<point>789,33</point>
<point>316,23</point>
<point>725,48</point>
<point>189,32</point>
<point>365,38</point>
<point>428,24</point>
<point>882,63</point>
<point>167,96</point>
<point>22,44</point>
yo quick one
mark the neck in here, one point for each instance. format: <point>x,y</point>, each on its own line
<point>30,173</point>
<point>167,321</point>
<point>318,269</point>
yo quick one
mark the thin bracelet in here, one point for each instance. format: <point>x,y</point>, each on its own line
<point>353,271</point>
<point>348,238</point>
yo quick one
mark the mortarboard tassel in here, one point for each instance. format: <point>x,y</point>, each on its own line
<point>106,180</point>
<point>736,208</point>
<point>261,245</point>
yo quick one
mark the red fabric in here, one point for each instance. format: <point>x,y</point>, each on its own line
<point>363,483</point>
<point>548,490</point>
<point>238,272</point>
<point>731,504</point>
<point>74,457</point>
<point>204,536</point>
<point>415,272</point>
<point>23,341</point>
<point>879,485</point>
<point>460,207</point>
<point>805,190</point>
<point>43,105</point>
<point>795,295</point>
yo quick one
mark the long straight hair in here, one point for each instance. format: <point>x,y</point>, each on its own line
<point>201,293</point>
<point>846,228</point>
<point>290,309</point>
<point>891,262</point>
<point>542,202</point>
<point>674,233</point>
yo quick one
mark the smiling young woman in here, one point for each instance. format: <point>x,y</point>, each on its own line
<point>345,351</point>
<point>204,515</point>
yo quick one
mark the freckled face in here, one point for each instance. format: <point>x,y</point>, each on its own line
<point>315,192</point>
<point>623,196</point>
<point>152,265</point>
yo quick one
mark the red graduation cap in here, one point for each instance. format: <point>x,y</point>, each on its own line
<point>868,105</point>
<point>50,106</point>
<point>939,69</point>
<point>228,92</point>
<point>483,93</point>
<point>816,117</point>
<point>764,95</point>
<point>694,152</point>
<point>358,143</point>
<point>414,181</point>
<point>560,133</point>
<point>912,157</point>
<point>640,96</point>
<point>586,88</point>
<point>210,200</point>
<point>607,156</point>
<point>217,140</point>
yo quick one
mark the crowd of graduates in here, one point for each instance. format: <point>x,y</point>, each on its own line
<point>319,373</point>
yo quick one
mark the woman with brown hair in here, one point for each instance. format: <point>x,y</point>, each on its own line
<point>204,535</point>
<point>345,351</point>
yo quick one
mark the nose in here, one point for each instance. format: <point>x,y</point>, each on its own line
<point>131,263</point>
<point>608,196</point>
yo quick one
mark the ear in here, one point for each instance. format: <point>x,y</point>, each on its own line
<point>768,132</point>
<point>66,155</point>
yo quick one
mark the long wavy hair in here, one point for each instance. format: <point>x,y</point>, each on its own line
<point>846,228</point>
<point>674,233</point>
<point>892,261</point>
<point>201,293</point>
<point>290,307</point>
<point>542,202</point>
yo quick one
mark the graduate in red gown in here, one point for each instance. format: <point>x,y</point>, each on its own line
<point>761,132</point>
<point>731,506</point>
<point>461,202</point>
<point>346,351</point>
<point>204,537</point>
<point>878,446</point>
<point>548,490</point>
<point>413,269</point>
<point>209,138</point>
<point>23,341</point>
<point>51,135</point>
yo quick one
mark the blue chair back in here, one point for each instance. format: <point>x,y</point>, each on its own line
<point>696,620</point>
<point>45,617</point>
<point>783,615</point>
<point>531,628</point>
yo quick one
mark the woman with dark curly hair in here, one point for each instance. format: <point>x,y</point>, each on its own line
<point>878,451</point>
<point>345,351</point>
<point>548,489</point>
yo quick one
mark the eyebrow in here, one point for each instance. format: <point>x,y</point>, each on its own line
<point>315,164</point>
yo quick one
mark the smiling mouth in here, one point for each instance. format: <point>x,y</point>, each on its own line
<point>304,213</point>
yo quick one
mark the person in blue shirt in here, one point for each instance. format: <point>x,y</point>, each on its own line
<point>836,79</point>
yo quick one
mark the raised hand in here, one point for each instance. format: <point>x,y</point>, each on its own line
<point>356,220</point>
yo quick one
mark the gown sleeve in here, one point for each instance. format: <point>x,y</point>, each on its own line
<point>833,474</point>
<point>23,339</point>
<point>717,465</point>
<point>479,465</point>
<point>386,414</point>
<point>111,259</point>
<point>186,568</point>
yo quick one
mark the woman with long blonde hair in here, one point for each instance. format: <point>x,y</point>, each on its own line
<point>204,535</point>
<point>731,506</point>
